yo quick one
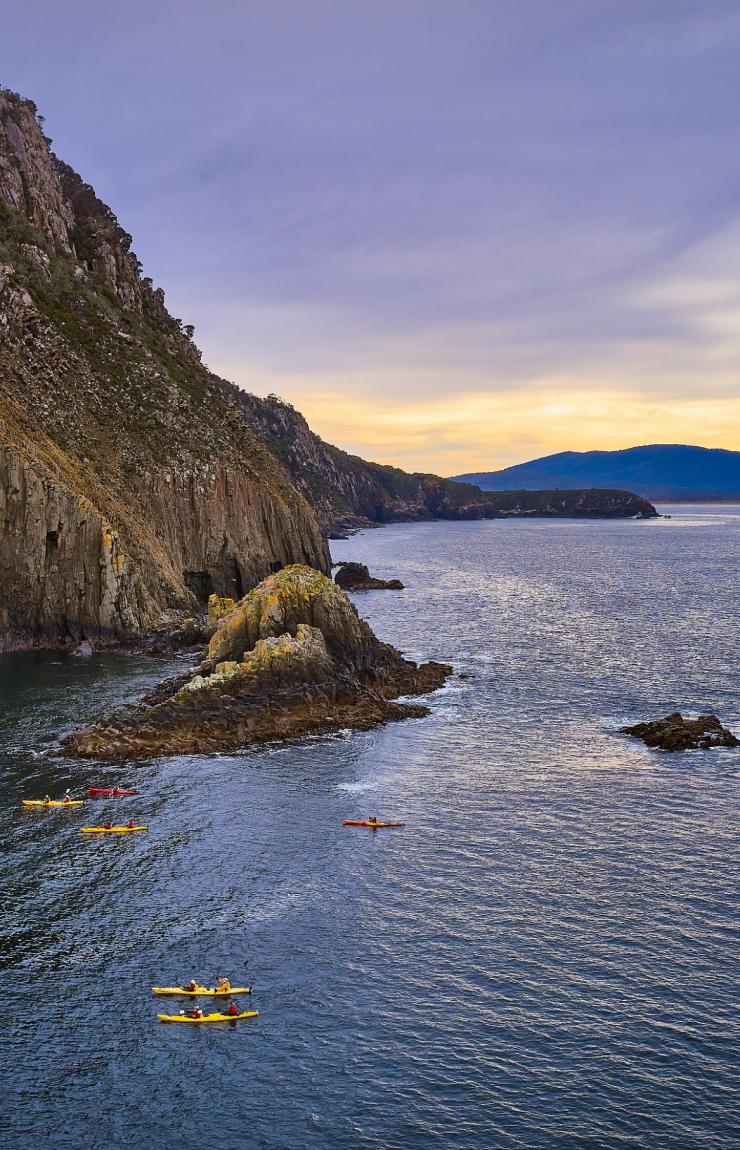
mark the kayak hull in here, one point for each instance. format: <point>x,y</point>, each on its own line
<point>367,823</point>
<point>207,1017</point>
<point>202,991</point>
<point>54,803</point>
<point>94,792</point>
<point>110,830</point>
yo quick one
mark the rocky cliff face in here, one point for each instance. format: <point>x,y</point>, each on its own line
<point>131,486</point>
<point>349,492</point>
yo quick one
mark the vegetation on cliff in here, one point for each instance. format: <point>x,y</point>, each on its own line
<point>131,486</point>
<point>293,657</point>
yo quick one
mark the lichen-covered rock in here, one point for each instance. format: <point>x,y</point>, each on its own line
<point>219,607</point>
<point>356,577</point>
<point>292,658</point>
<point>674,733</point>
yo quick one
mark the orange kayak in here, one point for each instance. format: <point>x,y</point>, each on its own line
<point>368,823</point>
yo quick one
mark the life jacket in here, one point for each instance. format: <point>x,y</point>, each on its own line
<point>191,985</point>
<point>233,1010</point>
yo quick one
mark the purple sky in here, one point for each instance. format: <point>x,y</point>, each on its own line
<point>457,234</point>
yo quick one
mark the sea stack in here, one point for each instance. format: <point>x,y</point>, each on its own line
<point>292,658</point>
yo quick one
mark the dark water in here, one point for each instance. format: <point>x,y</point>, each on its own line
<point>545,957</point>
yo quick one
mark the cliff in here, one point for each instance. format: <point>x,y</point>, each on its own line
<point>292,658</point>
<point>131,486</point>
<point>348,492</point>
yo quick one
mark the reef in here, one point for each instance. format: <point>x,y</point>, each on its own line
<point>674,733</point>
<point>356,577</point>
<point>293,657</point>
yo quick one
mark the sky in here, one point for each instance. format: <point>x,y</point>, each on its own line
<point>457,234</point>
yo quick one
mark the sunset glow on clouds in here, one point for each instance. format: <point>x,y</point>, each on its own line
<point>455,235</point>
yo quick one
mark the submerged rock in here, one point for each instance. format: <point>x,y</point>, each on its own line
<point>356,577</point>
<point>674,733</point>
<point>293,657</point>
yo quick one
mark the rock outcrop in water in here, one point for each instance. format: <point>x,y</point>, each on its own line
<point>356,577</point>
<point>674,733</point>
<point>293,657</point>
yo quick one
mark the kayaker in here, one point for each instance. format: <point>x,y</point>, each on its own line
<point>196,1012</point>
<point>232,1008</point>
<point>47,800</point>
<point>67,798</point>
<point>131,824</point>
<point>373,819</point>
<point>107,826</point>
<point>116,790</point>
<point>223,983</point>
<point>192,985</point>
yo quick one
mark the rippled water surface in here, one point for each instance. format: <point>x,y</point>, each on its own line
<point>545,957</point>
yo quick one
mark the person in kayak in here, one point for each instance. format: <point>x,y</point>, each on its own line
<point>196,1012</point>
<point>116,790</point>
<point>66,797</point>
<point>131,824</point>
<point>223,983</point>
<point>47,800</point>
<point>373,819</point>
<point>192,985</point>
<point>232,1008</point>
<point>107,826</point>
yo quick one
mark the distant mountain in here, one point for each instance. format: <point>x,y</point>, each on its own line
<point>667,471</point>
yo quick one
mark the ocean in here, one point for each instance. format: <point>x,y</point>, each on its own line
<point>544,957</point>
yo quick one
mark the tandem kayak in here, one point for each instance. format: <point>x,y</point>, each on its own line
<point>207,1017</point>
<point>94,791</point>
<point>109,830</point>
<point>53,803</point>
<point>203,991</point>
<point>368,823</point>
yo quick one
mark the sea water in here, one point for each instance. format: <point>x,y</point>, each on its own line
<point>546,955</point>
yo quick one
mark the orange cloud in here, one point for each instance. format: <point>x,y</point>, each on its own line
<point>475,431</point>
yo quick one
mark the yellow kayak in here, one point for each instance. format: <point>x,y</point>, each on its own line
<point>54,803</point>
<point>211,991</point>
<point>207,1017</point>
<point>110,830</point>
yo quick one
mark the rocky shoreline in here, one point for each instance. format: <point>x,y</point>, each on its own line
<point>291,658</point>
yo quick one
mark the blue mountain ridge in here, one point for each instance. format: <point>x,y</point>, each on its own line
<point>663,471</point>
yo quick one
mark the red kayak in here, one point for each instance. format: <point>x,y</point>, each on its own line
<point>93,791</point>
<point>369,823</point>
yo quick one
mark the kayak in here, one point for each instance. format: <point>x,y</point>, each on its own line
<point>94,791</point>
<point>367,823</point>
<point>207,1017</point>
<point>202,991</point>
<point>54,803</point>
<point>109,830</point>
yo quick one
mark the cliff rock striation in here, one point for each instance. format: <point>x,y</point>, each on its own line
<point>131,486</point>
<point>293,657</point>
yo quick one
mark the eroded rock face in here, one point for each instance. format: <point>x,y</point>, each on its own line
<point>674,733</point>
<point>356,577</point>
<point>293,657</point>
<point>131,487</point>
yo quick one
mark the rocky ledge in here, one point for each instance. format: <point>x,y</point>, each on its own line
<point>674,733</point>
<point>291,658</point>
<point>356,577</point>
